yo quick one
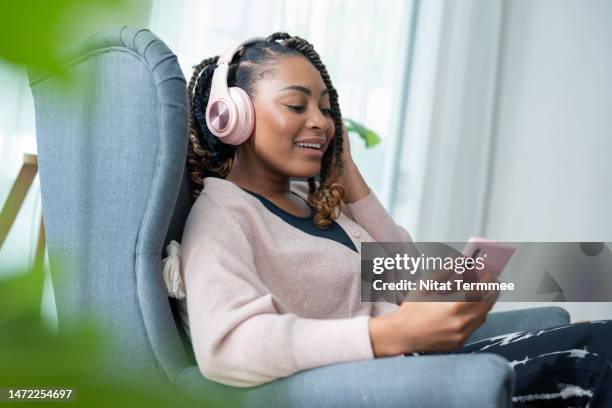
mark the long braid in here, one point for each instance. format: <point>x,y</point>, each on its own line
<point>195,154</point>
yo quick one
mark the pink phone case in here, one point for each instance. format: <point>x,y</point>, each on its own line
<point>496,254</point>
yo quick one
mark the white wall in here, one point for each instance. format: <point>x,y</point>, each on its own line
<point>551,163</point>
<point>509,129</point>
<point>551,167</point>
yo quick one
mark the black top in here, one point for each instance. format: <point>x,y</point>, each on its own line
<point>306,224</point>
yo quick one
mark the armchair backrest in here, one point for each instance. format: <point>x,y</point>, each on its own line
<point>112,152</point>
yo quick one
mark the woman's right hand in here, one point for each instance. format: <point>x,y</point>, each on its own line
<point>427,326</point>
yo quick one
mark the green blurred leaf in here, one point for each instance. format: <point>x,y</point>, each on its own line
<point>369,136</point>
<point>20,296</point>
<point>33,32</point>
<point>33,355</point>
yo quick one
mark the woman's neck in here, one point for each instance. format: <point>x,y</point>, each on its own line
<point>259,180</point>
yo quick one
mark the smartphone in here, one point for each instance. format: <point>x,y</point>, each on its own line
<point>494,254</point>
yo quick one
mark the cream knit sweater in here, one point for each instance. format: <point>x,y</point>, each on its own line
<point>266,300</point>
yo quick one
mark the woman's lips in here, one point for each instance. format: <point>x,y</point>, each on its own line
<point>310,152</point>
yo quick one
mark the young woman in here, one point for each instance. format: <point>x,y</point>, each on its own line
<point>272,265</point>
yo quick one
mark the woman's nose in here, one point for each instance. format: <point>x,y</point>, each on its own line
<point>318,121</point>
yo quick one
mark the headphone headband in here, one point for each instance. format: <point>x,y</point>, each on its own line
<point>228,55</point>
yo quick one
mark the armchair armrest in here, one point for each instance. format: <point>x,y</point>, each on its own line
<point>444,381</point>
<point>455,380</point>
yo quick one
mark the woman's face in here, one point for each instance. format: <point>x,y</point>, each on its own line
<point>291,106</point>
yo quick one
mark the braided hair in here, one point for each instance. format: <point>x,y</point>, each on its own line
<point>208,156</point>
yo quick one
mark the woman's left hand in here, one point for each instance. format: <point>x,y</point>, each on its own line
<point>355,186</point>
<point>346,146</point>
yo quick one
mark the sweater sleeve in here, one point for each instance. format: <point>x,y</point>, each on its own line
<point>372,215</point>
<point>239,333</point>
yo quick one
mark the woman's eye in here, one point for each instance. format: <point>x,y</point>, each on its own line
<point>296,108</point>
<point>300,109</point>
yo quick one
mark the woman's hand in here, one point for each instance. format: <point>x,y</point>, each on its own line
<point>346,147</point>
<point>355,187</point>
<point>428,326</point>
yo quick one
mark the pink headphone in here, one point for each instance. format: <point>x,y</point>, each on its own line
<point>229,114</point>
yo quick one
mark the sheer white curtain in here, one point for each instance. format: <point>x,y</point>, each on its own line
<point>364,45</point>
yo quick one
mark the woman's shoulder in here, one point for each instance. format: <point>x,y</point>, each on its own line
<point>217,189</point>
<point>220,214</point>
<point>222,211</point>
<point>219,195</point>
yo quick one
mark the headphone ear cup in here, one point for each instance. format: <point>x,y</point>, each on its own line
<point>245,117</point>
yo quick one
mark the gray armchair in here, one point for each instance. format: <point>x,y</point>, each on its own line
<point>114,192</point>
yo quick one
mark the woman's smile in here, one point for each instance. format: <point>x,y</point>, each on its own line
<point>310,152</point>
